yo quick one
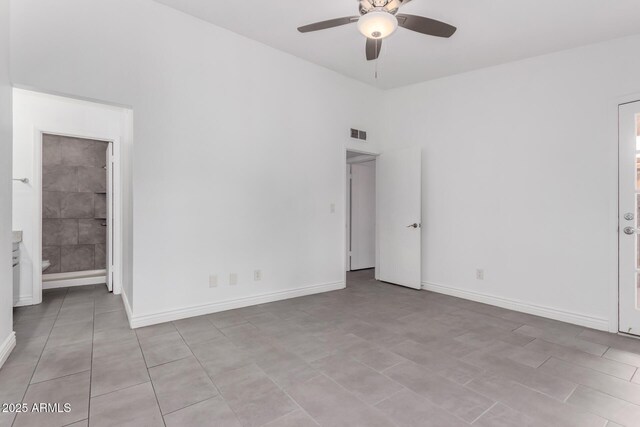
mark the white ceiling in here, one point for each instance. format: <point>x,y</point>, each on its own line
<point>490,32</point>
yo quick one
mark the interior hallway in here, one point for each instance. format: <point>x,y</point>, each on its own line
<point>373,354</point>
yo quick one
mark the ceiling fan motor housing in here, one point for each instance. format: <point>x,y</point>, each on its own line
<point>390,6</point>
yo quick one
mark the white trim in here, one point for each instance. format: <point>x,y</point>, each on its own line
<point>38,285</point>
<point>80,281</point>
<point>52,277</point>
<point>199,310</point>
<point>7,346</point>
<point>22,301</point>
<point>548,312</point>
<point>127,307</point>
<point>616,102</point>
<point>361,159</point>
<point>614,323</point>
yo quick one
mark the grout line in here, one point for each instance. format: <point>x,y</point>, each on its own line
<point>392,366</point>
<point>62,376</point>
<point>205,371</point>
<point>291,398</point>
<point>39,358</point>
<point>195,357</point>
<point>93,332</point>
<point>150,380</point>
<point>577,365</point>
<point>191,404</point>
<point>357,398</point>
<point>390,396</point>
<point>118,389</point>
<point>487,410</point>
<point>566,399</point>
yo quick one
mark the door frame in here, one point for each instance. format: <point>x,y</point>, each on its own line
<point>614,322</point>
<point>369,155</point>
<point>37,202</point>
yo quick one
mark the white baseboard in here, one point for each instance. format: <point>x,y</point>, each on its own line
<point>68,283</point>
<point>199,310</point>
<point>6,347</point>
<point>127,307</point>
<point>49,277</point>
<point>22,301</point>
<point>551,313</point>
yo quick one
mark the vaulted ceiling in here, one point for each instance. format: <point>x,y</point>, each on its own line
<point>490,32</point>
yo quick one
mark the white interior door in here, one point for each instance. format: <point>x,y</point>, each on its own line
<point>629,196</point>
<point>363,215</point>
<point>110,175</point>
<point>399,209</point>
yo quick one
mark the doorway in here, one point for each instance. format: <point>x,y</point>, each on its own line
<point>384,215</point>
<point>628,211</point>
<point>361,212</point>
<point>77,211</point>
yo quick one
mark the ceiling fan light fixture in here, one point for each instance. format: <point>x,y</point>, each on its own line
<point>377,24</point>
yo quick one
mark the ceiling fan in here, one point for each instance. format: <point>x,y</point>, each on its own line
<point>379,19</point>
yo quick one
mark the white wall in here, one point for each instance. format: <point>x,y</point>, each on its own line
<point>239,148</point>
<point>363,215</point>
<point>36,112</point>
<point>7,338</point>
<point>520,178</point>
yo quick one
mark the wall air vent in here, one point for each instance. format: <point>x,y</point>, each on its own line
<point>358,134</point>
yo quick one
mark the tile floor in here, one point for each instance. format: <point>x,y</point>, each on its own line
<point>371,355</point>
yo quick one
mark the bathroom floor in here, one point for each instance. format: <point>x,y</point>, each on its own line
<point>373,354</point>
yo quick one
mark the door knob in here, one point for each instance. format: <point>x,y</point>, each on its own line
<point>414,225</point>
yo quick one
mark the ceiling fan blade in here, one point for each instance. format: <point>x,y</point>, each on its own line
<point>426,26</point>
<point>373,48</point>
<point>328,24</point>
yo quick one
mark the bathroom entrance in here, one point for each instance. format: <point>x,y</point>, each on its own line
<point>75,214</point>
<point>72,200</point>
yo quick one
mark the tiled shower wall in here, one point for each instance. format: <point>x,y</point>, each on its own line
<point>74,185</point>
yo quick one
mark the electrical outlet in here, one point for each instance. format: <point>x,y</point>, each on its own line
<point>480,274</point>
<point>233,279</point>
<point>257,275</point>
<point>213,281</point>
